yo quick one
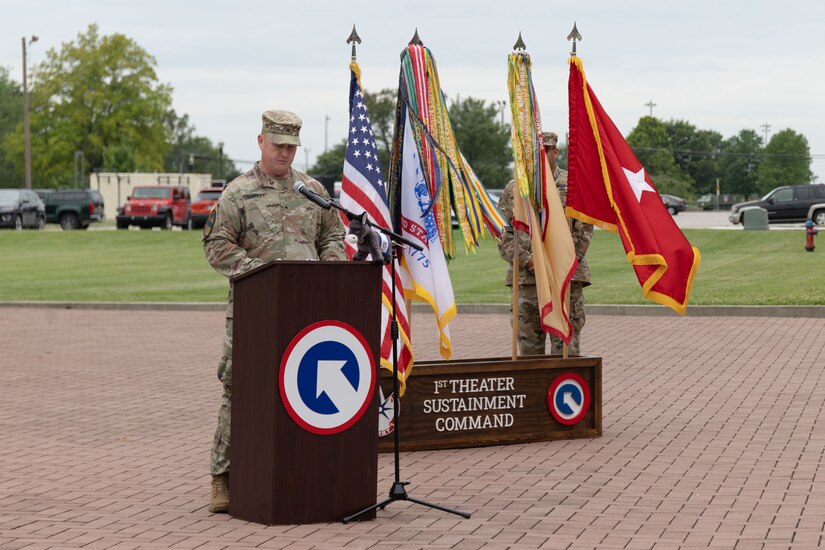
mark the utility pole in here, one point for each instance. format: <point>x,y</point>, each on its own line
<point>326,131</point>
<point>79,168</point>
<point>651,105</point>
<point>220,160</point>
<point>766,127</point>
<point>306,158</point>
<point>26,131</point>
<point>501,104</point>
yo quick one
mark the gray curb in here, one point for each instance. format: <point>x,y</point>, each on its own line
<point>481,309</point>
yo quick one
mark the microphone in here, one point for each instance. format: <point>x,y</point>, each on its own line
<point>311,195</point>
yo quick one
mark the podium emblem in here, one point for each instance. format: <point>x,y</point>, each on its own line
<point>568,398</point>
<point>327,377</point>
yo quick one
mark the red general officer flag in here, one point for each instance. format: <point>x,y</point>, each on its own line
<point>609,187</point>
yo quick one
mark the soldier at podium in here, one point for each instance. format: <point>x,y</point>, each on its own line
<point>258,219</point>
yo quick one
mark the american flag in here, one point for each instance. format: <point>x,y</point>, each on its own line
<point>364,189</point>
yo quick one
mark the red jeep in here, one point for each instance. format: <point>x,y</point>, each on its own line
<point>156,206</point>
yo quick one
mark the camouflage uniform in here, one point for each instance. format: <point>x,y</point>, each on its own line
<point>531,338</point>
<point>582,233</point>
<point>257,220</point>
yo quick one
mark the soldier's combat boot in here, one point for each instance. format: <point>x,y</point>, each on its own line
<point>219,500</point>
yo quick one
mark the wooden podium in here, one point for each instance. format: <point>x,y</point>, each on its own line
<point>281,472</point>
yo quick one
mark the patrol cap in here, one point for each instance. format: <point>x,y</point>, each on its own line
<point>550,139</point>
<point>282,127</point>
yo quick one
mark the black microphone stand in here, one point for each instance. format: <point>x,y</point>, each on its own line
<point>398,491</point>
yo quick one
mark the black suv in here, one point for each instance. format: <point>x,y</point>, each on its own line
<point>72,208</point>
<point>21,208</point>
<point>795,203</point>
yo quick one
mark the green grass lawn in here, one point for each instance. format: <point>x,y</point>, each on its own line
<point>738,268</point>
<point>118,266</point>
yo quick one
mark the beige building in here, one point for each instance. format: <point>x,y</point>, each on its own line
<point>116,187</point>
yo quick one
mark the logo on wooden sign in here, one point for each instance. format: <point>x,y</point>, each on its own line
<point>327,377</point>
<point>568,398</point>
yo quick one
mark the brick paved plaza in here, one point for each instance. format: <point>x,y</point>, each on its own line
<point>714,436</point>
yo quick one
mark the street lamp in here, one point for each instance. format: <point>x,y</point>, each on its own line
<point>26,132</point>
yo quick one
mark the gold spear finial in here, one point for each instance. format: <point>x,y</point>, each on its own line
<point>355,39</point>
<point>574,35</point>
<point>519,45</point>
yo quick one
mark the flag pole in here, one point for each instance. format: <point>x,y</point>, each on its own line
<point>398,490</point>
<point>514,296</point>
<point>565,348</point>
<point>519,45</point>
<point>415,40</point>
<point>574,35</point>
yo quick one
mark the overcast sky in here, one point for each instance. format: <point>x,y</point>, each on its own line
<point>720,65</point>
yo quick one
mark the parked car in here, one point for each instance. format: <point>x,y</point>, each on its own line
<point>708,201</point>
<point>72,208</point>
<point>161,206</point>
<point>202,206</point>
<point>789,204</point>
<point>21,208</point>
<point>673,203</point>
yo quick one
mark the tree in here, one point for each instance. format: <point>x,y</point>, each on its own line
<point>695,153</point>
<point>119,157</point>
<point>192,153</point>
<point>484,141</point>
<point>381,107</point>
<point>651,145</point>
<point>674,185</point>
<point>94,94</point>
<point>331,161</point>
<point>787,161</point>
<point>742,156</point>
<point>11,114</point>
<point>561,160</point>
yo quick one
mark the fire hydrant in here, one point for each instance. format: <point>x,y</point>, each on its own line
<point>810,232</point>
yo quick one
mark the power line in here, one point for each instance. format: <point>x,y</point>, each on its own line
<point>817,156</point>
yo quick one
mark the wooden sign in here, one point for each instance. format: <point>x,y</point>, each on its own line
<point>478,402</point>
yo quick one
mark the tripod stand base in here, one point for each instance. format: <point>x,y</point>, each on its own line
<point>398,491</point>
